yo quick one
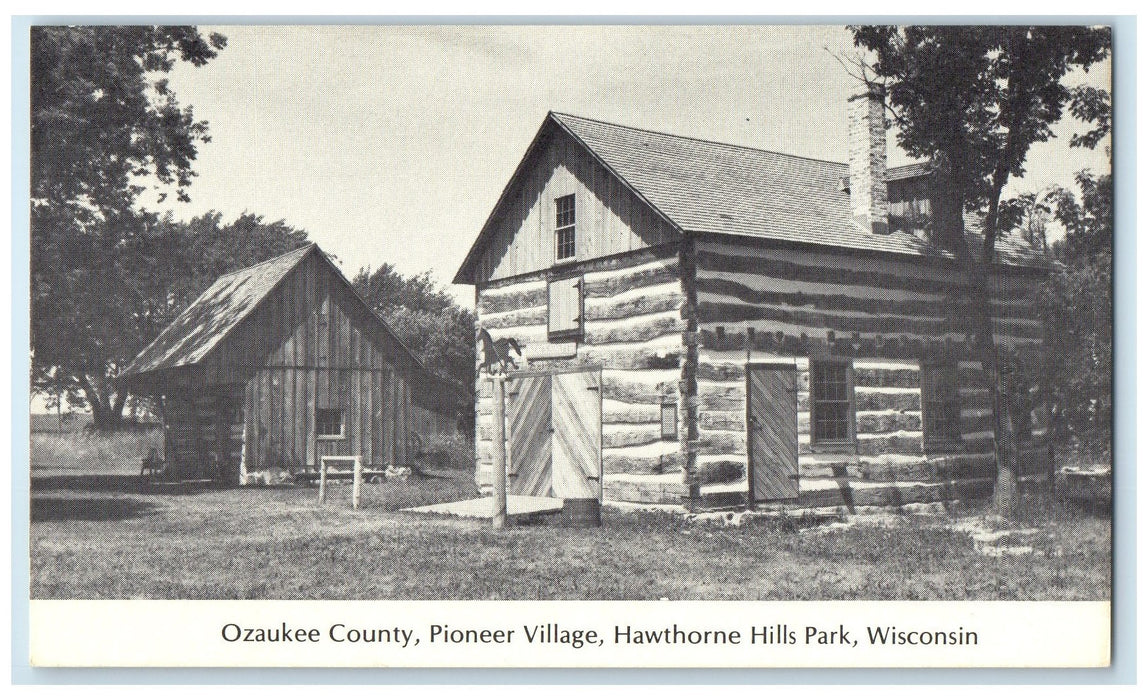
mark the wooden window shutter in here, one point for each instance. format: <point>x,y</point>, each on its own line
<point>565,308</point>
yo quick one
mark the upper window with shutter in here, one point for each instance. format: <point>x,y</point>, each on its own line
<point>565,243</point>
<point>564,301</point>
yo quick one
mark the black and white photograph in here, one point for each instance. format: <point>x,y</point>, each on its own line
<point>573,312</point>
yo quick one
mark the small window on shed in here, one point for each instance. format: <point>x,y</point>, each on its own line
<point>669,421</point>
<point>940,403</point>
<point>565,243</point>
<point>328,423</point>
<point>564,300</point>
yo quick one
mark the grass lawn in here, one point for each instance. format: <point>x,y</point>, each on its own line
<point>95,535</point>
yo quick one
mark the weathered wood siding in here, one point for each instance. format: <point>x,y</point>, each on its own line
<point>886,316</point>
<point>609,218</point>
<point>633,331</point>
<point>311,344</point>
<point>426,423</point>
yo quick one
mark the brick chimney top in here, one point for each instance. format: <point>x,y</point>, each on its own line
<point>868,192</point>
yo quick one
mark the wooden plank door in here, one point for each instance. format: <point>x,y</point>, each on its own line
<point>181,436</point>
<point>529,428</point>
<point>771,422</point>
<point>577,416</point>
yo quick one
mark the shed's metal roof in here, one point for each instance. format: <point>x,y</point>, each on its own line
<point>201,326</point>
<point>708,187</point>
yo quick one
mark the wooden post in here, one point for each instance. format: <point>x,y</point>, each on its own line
<point>322,481</point>
<point>357,488</point>
<point>499,466</point>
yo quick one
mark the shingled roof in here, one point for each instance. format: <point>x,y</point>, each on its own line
<point>201,326</point>
<point>715,188</point>
<point>219,310</point>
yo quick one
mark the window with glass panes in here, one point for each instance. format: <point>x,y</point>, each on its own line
<point>328,423</point>
<point>940,403</point>
<point>565,243</point>
<point>829,389</point>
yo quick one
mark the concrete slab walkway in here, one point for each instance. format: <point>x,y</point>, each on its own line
<point>484,507</point>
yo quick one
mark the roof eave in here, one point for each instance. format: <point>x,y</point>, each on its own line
<point>947,256</point>
<point>465,274</point>
<point>215,343</point>
<point>634,190</point>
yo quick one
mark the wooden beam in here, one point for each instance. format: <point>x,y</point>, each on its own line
<point>499,514</point>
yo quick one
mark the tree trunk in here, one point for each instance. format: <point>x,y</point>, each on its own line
<point>978,271</point>
<point>107,415</point>
<point>1004,429</point>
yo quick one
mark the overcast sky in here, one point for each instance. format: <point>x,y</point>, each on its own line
<point>391,143</point>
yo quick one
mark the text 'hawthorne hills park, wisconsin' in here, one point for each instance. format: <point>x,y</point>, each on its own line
<point>776,634</point>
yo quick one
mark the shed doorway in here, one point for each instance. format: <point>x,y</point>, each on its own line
<point>771,431</point>
<point>204,435</point>
<point>554,433</point>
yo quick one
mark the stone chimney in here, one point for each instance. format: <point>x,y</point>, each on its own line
<point>868,193</point>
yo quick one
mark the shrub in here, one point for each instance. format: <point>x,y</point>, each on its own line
<point>446,452</point>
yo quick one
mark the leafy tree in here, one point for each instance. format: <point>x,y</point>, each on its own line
<point>1088,221</point>
<point>183,258</point>
<point>1077,301</point>
<point>973,100</point>
<point>104,127</point>
<point>171,263</point>
<point>103,118</point>
<point>426,318</point>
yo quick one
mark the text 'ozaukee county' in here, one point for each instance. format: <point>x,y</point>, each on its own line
<point>778,634</point>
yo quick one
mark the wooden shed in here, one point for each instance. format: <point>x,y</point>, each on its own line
<point>275,366</point>
<point>755,326</point>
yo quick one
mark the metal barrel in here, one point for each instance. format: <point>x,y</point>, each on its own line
<point>582,512</point>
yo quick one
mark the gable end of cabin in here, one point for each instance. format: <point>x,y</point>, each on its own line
<point>582,273</point>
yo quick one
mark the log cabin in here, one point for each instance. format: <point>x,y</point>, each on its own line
<point>717,325</point>
<point>279,364</point>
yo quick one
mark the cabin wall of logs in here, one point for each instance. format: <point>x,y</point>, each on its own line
<point>203,433</point>
<point>632,330</point>
<point>672,320</point>
<point>886,318</point>
<point>676,324</point>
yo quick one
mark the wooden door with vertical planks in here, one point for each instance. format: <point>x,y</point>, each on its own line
<point>181,436</point>
<point>529,429</point>
<point>577,417</point>
<point>771,424</point>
